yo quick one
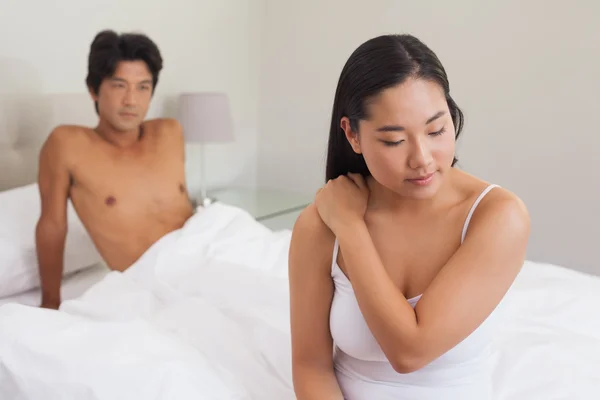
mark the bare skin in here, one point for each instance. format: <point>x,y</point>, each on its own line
<point>125,178</point>
<point>127,200</point>
<point>399,240</point>
<point>404,241</point>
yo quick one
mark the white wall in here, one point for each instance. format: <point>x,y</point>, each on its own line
<point>207,45</point>
<point>525,74</point>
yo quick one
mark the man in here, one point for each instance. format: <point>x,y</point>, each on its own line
<point>125,177</point>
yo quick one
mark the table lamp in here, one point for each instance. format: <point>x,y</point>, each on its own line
<point>205,118</point>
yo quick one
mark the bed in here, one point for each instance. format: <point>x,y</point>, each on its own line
<point>73,286</point>
<point>216,326</point>
<point>204,314</point>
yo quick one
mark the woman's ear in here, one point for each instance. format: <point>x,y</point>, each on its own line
<point>351,136</point>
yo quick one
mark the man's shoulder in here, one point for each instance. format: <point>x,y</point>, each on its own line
<point>163,126</point>
<point>167,131</point>
<point>65,136</point>
<point>66,132</point>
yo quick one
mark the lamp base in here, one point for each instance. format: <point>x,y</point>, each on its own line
<point>202,201</point>
<point>207,201</point>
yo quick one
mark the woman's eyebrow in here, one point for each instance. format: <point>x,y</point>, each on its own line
<point>398,128</point>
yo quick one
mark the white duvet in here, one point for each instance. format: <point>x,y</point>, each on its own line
<point>204,315</point>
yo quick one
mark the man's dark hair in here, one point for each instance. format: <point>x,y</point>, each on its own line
<point>110,48</point>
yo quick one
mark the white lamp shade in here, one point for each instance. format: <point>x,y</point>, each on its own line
<point>205,117</point>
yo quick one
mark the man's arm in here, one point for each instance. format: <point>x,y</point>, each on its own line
<point>178,137</point>
<point>51,230</point>
<point>172,135</point>
<point>177,143</point>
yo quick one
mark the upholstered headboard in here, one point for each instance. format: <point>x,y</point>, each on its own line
<point>26,121</point>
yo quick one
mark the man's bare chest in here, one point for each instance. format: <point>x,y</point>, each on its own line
<point>148,181</point>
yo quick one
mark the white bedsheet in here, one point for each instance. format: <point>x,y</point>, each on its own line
<point>549,347</point>
<point>204,315</point>
<point>73,286</point>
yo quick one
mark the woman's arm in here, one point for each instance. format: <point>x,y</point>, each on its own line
<point>459,299</point>
<point>311,293</point>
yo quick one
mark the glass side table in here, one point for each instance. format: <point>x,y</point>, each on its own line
<point>277,209</point>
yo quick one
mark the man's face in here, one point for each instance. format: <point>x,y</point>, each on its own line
<point>124,98</point>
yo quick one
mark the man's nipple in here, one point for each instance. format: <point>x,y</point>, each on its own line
<point>110,201</point>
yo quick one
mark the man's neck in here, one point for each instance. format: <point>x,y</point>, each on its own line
<point>121,139</point>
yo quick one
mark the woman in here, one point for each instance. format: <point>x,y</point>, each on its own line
<point>398,265</point>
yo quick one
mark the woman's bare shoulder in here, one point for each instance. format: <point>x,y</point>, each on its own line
<point>309,220</point>
<point>473,187</point>
<point>498,201</point>
<point>312,240</point>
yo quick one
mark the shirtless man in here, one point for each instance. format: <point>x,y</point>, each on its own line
<point>125,177</point>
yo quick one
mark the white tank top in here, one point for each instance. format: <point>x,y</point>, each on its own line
<point>364,373</point>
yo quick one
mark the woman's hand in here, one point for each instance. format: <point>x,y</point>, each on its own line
<point>343,201</point>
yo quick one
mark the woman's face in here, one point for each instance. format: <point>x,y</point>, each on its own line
<point>408,140</point>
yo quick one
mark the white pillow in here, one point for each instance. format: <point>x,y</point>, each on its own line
<point>19,212</point>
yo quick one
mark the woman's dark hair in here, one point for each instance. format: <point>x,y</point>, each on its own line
<point>109,48</point>
<point>378,64</point>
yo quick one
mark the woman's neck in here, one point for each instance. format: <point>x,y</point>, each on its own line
<point>383,199</point>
